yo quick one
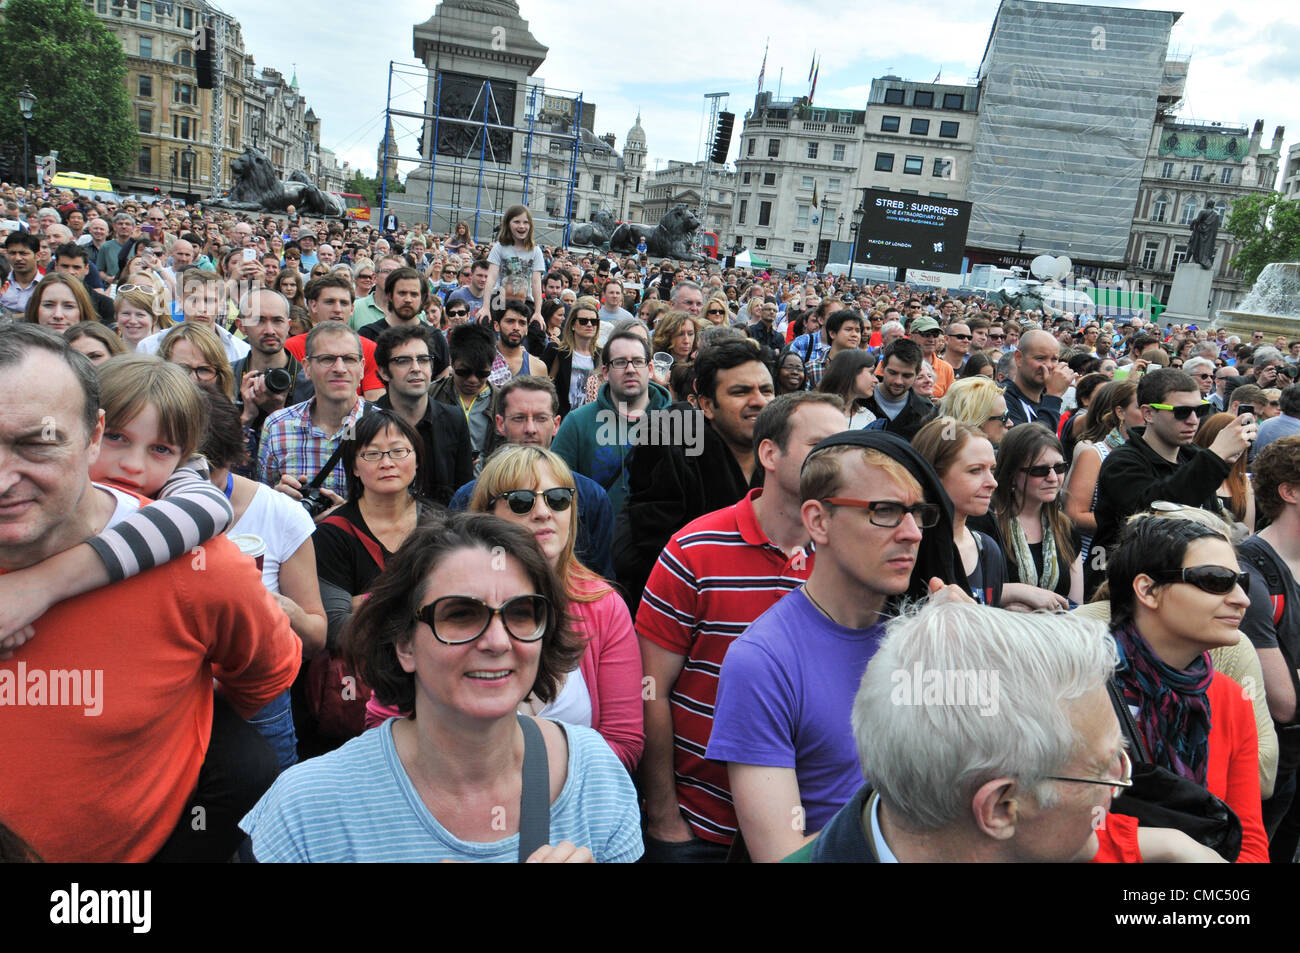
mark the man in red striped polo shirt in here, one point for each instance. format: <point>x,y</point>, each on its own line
<point>717,575</point>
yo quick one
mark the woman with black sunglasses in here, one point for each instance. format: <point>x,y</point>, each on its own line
<point>1177,591</point>
<point>570,362</point>
<point>533,488</point>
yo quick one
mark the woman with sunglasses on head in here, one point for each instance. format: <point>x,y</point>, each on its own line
<point>466,622</point>
<point>573,360</point>
<point>1040,543</point>
<point>1177,591</point>
<point>1236,497</point>
<point>534,489</point>
<point>978,401</point>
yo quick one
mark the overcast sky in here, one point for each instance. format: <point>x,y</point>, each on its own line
<point>660,59</point>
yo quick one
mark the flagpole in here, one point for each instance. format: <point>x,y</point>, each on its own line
<point>779,76</point>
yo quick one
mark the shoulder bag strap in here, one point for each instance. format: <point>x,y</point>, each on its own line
<point>535,798</point>
<point>319,479</point>
<point>1137,746</point>
<point>374,549</point>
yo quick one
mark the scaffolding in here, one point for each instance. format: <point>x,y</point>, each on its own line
<point>475,146</point>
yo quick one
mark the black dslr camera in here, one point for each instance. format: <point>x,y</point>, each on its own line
<point>314,501</point>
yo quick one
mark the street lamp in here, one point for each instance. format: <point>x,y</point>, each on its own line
<point>839,230</point>
<point>821,221</point>
<point>1020,243</point>
<point>188,156</point>
<point>855,226</point>
<point>26,103</point>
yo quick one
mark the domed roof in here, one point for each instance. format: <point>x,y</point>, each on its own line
<point>636,135</point>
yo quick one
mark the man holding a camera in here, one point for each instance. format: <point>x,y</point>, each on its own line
<point>269,377</point>
<point>299,442</point>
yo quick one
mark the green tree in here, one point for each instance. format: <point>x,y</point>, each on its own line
<point>369,188</point>
<point>1268,227</point>
<point>77,70</point>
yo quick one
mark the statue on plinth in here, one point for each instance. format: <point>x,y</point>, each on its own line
<point>1205,230</point>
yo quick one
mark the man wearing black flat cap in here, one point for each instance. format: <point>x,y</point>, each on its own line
<point>787,685</point>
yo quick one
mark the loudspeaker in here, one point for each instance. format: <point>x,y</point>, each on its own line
<point>722,139</point>
<point>203,58</point>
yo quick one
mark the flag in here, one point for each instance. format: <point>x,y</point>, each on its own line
<point>938,74</point>
<point>812,66</point>
<point>814,195</point>
<point>762,69</point>
<point>816,72</point>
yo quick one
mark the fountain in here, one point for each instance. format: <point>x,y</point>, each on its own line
<point>1273,305</point>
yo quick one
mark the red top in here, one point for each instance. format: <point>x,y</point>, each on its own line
<point>1233,773</point>
<point>1117,841</point>
<point>297,346</point>
<point>716,575</point>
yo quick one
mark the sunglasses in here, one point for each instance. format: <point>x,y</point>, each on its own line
<point>1004,419</point>
<point>457,620</point>
<point>1039,472</point>
<point>960,337</point>
<point>1215,579</point>
<point>587,322</point>
<point>558,499</point>
<point>457,313</point>
<point>481,373</point>
<point>715,311</point>
<point>1180,413</point>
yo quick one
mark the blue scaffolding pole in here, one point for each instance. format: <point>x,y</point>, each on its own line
<point>528,143</point>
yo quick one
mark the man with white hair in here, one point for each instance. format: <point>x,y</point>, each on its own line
<point>1201,370</point>
<point>989,736</point>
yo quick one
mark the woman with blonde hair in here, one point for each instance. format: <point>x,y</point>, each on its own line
<point>717,310</point>
<point>199,353</point>
<point>676,333</point>
<point>977,401</point>
<point>534,489</point>
<point>59,302</point>
<point>573,360</point>
<point>1236,496</point>
<point>141,311</point>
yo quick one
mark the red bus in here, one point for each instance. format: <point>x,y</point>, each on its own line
<point>709,244</point>
<point>357,208</point>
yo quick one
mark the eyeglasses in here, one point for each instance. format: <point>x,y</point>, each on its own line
<point>889,513</point>
<point>402,363</point>
<point>457,620</point>
<point>1039,472</point>
<point>1218,580</point>
<point>350,361</point>
<point>522,420</point>
<point>1003,418</point>
<point>1125,780</point>
<point>558,499</point>
<point>480,373</point>
<point>622,363</point>
<point>201,372</point>
<point>374,456</point>
<point>365,277</point>
<point>588,323</point>
<point>1180,413</point>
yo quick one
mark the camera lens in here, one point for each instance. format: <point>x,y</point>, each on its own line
<point>278,380</point>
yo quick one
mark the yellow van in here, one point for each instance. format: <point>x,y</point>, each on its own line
<point>87,185</point>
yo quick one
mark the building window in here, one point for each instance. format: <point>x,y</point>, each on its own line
<point>1180,255</point>
<point>744,207</point>
<point>922,99</point>
<point>1149,255</point>
<point>183,93</point>
<point>146,161</point>
<point>101,7</point>
<point>1196,172</point>
<point>773,148</point>
<point>146,11</point>
<point>894,97</point>
<point>802,216</point>
<point>806,183</point>
<point>186,18</point>
<point>615,190</point>
<point>938,195</point>
<point>144,121</point>
<point>884,162</point>
<point>837,152</point>
<point>722,196</point>
<point>889,124</point>
<point>812,149</point>
<point>1225,177</point>
<point>769,178</point>
<point>764,213</point>
<point>146,48</point>
<point>832,185</point>
<point>948,129</point>
<point>760,244</point>
<point>1160,208</point>
<point>1189,212</point>
<point>942,169</point>
<point>920,127</point>
<point>913,165</point>
<point>184,127</point>
<point>745,178</point>
<point>595,183</point>
<point>1167,170</point>
<point>796,248</point>
<point>145,90</point>
<point>954,101</point>
<point>908,192</point>
<point>751,146</point>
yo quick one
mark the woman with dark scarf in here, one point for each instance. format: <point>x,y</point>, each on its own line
<point>1177,591</point>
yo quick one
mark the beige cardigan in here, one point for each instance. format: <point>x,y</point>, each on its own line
<point>1239,662</point>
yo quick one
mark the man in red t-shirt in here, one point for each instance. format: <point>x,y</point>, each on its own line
<point>716,576</point>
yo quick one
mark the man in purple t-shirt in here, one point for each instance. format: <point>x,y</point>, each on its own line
<point>787,685</point>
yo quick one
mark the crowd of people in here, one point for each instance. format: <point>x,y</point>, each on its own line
<point>393,545</point>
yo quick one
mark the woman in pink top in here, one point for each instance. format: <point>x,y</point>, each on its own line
<point>534,488</point>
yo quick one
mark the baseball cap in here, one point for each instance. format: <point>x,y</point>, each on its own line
<point>921,325</point>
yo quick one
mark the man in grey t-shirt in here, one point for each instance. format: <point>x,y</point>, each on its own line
<point>611,306</point>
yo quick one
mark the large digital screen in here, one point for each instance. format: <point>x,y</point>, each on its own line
<point>913,231</point>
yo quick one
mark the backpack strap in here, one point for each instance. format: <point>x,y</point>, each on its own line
<point>535,797</point>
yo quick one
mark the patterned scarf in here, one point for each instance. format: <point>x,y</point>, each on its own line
<point>1114,439</point>
<point>1051,574</point>
<point>1173,709</point>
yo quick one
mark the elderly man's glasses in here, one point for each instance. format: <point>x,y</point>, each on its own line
<point>458,620</point>
<point>890,513</point>
<point>1117,785</point>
